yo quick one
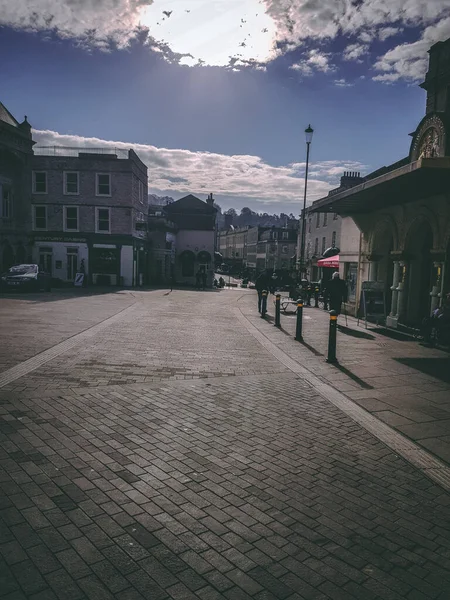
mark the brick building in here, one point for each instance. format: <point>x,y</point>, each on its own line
<point>90,205</point>
<point>16,154</point>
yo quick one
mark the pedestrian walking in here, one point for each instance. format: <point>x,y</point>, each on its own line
<point>337,293</point>
<point>261,284</point>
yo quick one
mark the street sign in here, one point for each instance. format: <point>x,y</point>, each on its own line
<point>79,279</point>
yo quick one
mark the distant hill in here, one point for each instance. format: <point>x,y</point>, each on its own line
<point>159,200</point>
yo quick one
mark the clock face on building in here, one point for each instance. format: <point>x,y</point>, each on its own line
<point>429,143</point>
<point>429,139</point>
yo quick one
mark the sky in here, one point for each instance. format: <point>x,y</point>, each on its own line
<point>214,95</point>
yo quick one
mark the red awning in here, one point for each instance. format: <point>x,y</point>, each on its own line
<point>332,262</point>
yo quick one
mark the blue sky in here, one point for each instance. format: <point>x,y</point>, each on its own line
<point>215,94</point>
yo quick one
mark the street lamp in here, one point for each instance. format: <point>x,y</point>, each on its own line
<point>308,136</point>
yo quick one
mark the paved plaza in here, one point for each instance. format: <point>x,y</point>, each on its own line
<point>174,445</point>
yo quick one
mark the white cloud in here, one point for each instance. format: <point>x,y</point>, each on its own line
<point>343,83</point>
<point>409,61</point>
<point>355,51</point>
<point>314,60</point>
<point>211,32</point>
<point>183,171</point>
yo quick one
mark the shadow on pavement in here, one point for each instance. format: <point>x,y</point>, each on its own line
<point>436,367</point>
<point>354,377</point>
<point>394,335</point>
<point>62,294</point>
<point>311,349</point>
<point>355,333</point>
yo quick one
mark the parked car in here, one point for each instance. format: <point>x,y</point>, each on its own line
<point>26,277</point>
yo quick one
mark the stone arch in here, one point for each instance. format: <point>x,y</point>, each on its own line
<point>384,229</point>
<point>425,217</point>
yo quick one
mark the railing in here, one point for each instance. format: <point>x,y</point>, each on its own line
<point>74,151</point>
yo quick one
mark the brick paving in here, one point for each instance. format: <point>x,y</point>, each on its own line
<point>173,457</point>
<point>401,382</point>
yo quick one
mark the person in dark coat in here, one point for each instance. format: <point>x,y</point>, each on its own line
<point>336,292</point>
<point>261,284</point>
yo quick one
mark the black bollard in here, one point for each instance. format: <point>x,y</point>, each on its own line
<point>331,358</point>
<point>316,298</point>
<point>264,304</point>
<point>299,325</point>
<point>278,310</point>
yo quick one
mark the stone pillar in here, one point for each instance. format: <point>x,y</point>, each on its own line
<point>395,281</point>
<point>437,288</point>
<point>401,290</point>
<point>373,268</point>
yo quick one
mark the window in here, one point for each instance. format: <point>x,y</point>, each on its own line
<point>71,218</point>
<point>273,235</point>
<point>71,185</point>
<point>40,182</point>
<point>285,235</point>
<point>318,220</point>
<point>284,249</point>
<point>40,217</point>
<point>6,202</point>
<point>324,242</point>
<point>325,219</point>
<point>141,191</point>
<point>309,225</point>
<point>308,249</point>
<point>333,239</point>
<point>103,184</point>
<point>335,216</point>
<point>103,220</point>
<point>316,247</point>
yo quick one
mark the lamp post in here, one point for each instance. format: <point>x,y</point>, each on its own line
<point>308,135</point>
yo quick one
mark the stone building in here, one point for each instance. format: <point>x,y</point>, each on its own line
<point>88,211</point>
<point>403,210</point>
<point>195,237</point>
<point>233,246</point>
<point>275,248</point>
<point>16,155</point>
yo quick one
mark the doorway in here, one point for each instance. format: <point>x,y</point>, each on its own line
<point>72,263</point>
<point>46,259</point>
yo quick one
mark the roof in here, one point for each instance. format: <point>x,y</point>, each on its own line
<point>419,179</point>
<point>190,204</point>
<point>7,117</point>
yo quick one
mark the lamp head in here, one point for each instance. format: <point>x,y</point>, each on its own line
<point>309,134</point>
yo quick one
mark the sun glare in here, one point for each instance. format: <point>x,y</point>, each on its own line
<point>212,31</point>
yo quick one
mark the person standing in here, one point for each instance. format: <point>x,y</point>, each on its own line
<point>261,284</point>
<point>336,292</point>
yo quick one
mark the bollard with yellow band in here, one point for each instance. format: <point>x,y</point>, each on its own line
<point>299,325</point>
<point>278,310</point>
<point>331,358</point>
<point>264,304</point>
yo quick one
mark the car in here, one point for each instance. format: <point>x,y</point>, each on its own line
<point>27,277</point>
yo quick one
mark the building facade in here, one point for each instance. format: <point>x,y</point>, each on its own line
<point>403,210</point>
<point>232,244</point>
<point>275,248</point>
<point>195,238</point>
<point>87,207</point>
<point>16,155</point>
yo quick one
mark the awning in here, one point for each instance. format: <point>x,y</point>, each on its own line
<point>331,263</point>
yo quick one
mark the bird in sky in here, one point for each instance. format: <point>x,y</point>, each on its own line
<point>188,10</point>
<point>265,30</point>
<point>243,44</point>
<point>243,21</point>
<point>167,13</point>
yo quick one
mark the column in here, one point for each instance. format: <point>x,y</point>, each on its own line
<point>395,281</point>
<point>437,288</point>
<point>373,268</point>
<point>401,290</point>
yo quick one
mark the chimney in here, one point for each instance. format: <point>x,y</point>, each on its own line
<point>350,179</point>
<point>210,200</point>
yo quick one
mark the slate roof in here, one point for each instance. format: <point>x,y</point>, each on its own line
<point>7,117</point>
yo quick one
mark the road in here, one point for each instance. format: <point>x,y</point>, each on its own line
<point>159,444</point>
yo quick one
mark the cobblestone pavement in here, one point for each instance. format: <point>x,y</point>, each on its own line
<point>172,456</point>
<point>401,382</point>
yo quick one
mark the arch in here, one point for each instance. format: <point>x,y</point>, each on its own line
<point>187,260</point>
<point>425,217</point>
<point>204,257</point>
<point>384,233</point>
